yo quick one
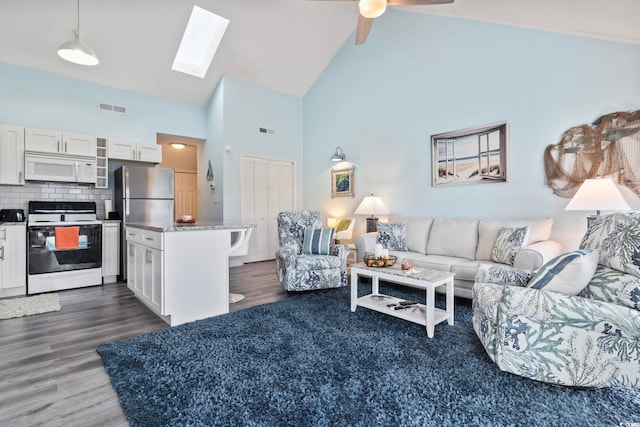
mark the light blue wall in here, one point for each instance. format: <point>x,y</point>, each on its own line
<point>41,100</point>
<point>248,107</point>
<point>419,75</point>
<point>210,201</point>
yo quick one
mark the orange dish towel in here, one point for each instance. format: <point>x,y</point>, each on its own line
<point>67,237</point>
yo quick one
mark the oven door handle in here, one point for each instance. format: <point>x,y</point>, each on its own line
<point>2,252</point>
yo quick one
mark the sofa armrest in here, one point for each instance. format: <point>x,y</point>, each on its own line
<point>504,275</point>
<point>570,310</point>
<point>366,243</point>
<point>534,256</point>
<point>341,251</point>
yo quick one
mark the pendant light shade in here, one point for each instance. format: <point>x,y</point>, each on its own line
<point>372,8</point>
<point>77,51</point>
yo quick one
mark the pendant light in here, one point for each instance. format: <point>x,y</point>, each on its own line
<point>77,51</point>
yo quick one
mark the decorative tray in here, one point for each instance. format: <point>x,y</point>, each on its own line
<point>185,221</point>
<point>372,261</point>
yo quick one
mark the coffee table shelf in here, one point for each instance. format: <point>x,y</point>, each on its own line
<point>423,314</point>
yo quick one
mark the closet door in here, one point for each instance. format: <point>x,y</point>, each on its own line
<point>267,189</point>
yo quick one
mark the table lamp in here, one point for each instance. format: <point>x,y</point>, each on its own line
<point>598,194</point>
<point>372,205</point>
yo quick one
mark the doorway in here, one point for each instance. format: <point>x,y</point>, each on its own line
<point>181,154</point>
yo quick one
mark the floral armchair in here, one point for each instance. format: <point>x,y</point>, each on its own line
<point>591,339</point>
<point>301,272</point>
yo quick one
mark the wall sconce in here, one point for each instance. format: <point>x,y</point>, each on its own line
<point>210,176</point>
<point>372,205</point>
<point>338,156</point>
<point>177,145</point>
<point>596,195</point>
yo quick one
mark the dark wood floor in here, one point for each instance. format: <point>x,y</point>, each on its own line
<point>50,373</point>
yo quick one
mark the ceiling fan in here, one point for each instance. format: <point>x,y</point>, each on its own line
<point>371,9</point>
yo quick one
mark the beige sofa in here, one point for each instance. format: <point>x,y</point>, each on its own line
<point>460,245</point>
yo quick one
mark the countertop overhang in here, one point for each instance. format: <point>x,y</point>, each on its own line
<point>196,226</point>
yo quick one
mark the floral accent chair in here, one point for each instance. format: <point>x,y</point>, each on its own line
<point>301,272</point>
<point>591,339</point>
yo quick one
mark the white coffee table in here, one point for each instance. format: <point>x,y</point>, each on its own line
<point>423,314</point>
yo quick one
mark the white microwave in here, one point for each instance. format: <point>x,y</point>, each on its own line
<point>47,167</point>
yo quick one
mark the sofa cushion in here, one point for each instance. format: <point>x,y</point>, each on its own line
<point>392,236</point>
<point>317,241</point>
<point>466,270</point>
<point>451,237</point>
<point>435,262</point>
<point>417,232</point>
<point>508,243</point>
<point>617,237</point>
<point>539,230</point>
<point>568,273</point>
<point>613,286</point>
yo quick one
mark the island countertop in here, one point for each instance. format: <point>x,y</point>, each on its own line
<point>196,226</point>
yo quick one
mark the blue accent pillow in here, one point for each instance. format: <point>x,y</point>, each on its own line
<point>392,236</point>
<point>568,273</point>
<point>317,241</point>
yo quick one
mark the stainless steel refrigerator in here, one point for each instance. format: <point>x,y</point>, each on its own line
<point>143,195</point>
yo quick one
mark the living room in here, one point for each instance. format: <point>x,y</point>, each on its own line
<point>417,75</point>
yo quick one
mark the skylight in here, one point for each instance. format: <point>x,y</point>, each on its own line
<point>200,42</point>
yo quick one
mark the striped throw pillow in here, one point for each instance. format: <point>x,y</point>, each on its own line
<point>317,241</point>
<point>568,273</point>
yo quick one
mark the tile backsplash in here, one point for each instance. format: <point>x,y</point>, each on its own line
<point>18,197</point>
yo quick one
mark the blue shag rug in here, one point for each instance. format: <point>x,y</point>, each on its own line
<point>309,361</point>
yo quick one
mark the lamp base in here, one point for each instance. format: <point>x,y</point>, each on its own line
<point>590,220</point>
<point>372,224</point>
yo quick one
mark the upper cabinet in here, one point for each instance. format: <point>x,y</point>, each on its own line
<point>55,142</point>
<point>11,155</point>
<point>125,150</point>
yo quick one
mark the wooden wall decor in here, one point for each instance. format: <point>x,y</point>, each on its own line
<point>610,147</point>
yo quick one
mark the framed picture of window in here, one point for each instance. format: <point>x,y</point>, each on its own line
<point>342,182</point>
<point>470,156</point>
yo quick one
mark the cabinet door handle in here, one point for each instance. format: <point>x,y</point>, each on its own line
<point>65,146</point>
<point>149,238</point>
<point>58,147</point>
<point>20,176</point>
<point>131,250</point>
<point>4,234</point>
<point>139,154</point>
<point>134,154</point>
<point>2,251</point>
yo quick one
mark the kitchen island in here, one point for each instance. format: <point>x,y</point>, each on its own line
<point>181,271</point>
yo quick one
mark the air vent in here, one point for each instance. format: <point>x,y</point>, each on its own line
<point>267,131</point>
<point>114,108</point>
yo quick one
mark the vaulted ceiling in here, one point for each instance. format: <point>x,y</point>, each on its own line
<point>281,44</point>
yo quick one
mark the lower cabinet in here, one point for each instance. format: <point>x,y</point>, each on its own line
<point>110,251</point>
<point>13,259</point>
<point>145,265</point>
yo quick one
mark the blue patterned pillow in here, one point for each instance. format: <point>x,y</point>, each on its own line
<point>508,243</point>
<point>392,236</point>
<point>317,241</point>
<point>568,273</point>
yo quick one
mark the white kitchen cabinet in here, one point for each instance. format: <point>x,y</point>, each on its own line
<point>110,251</point>
<point>56,142</point>
<point>145,267</point>
<point>127,150</point>
<point>182,275</point>
<point>102,165</point>
<point>13,259</point>
<point>11,155</point>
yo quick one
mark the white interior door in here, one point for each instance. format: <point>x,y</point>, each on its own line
<point>186,194</point>
<point>267,189</point>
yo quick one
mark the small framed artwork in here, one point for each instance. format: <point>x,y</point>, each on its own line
<point>342,183</point>
<point>470,156</point>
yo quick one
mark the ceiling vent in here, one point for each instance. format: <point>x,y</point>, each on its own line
<point>267,131</point>
<point>109,107</point>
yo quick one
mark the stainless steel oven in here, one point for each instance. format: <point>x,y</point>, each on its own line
<point>64,246</point>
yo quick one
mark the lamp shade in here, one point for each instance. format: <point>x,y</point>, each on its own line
<point>78,52</point>
<point>372,8</point>
<point>372,205</point>
<point>598,194</point>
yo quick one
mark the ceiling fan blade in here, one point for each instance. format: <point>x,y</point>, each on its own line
<point>416,2</point>
<point>362,31</point>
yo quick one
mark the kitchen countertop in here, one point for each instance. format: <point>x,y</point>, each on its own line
<point>196,226</point>
<point>12,222</point>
